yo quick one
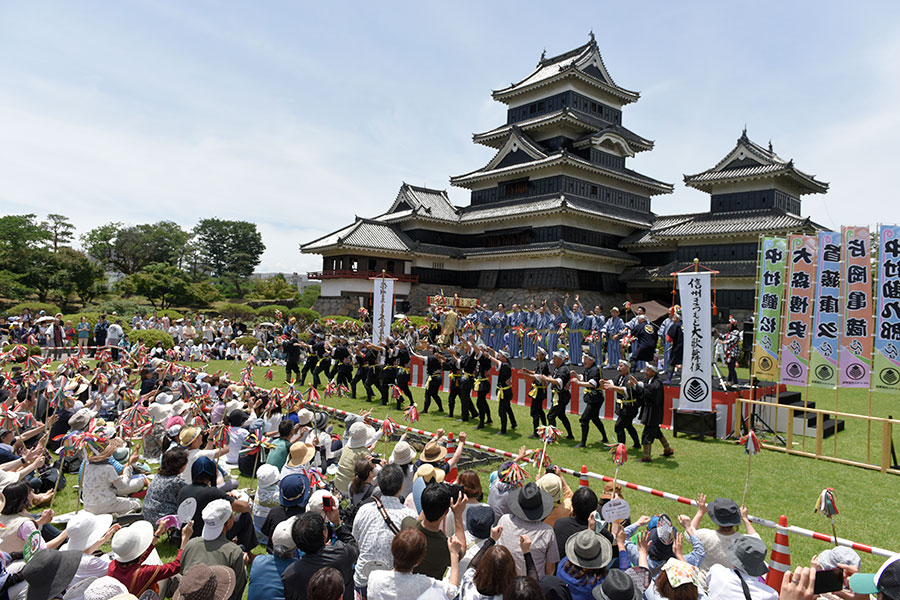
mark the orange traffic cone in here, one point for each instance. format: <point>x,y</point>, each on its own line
<point>583,482</point>
<point>451,450</point>
<point>780,561</point>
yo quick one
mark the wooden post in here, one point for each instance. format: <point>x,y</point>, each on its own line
<point>789,445</point>
<point>837,388</point>
<point>805,408</point>
<point>819,434</point>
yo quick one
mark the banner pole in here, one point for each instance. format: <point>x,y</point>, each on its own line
<point>755,327</point>
<point>875,294</point>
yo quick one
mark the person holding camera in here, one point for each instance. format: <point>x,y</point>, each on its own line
<point>312,532</point>
<point>437,500</point>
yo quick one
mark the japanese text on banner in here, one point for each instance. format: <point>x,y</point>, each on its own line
<point>887,332</point>
<point>696,377</point>
<point>823,360</point>
<point>855,361</point>
<point>798,309</point>
<point>382,308</point>
<point>770,292</point>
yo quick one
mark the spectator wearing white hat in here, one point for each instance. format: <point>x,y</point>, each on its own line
<point>130,548</point>
<point>87,533</point>
<point>105,588</point>
<point>266,498</point>
<point>357,447</point>
<point>265,573</point>
<point>403,456</point>
<point>212,548</point>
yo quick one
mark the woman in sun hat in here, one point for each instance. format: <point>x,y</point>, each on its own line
<point>677,580</point>
<point>403,455</point>
<point>102,489</point>
<point>130,548</point>
<point>357,446</point>
<point>299,456</point>
<point>86,534</point>
<point>588,555</point>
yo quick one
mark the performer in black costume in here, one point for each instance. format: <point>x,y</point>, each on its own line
<point>538,392</point>
<point>342,368</point>
<point>434,371</point>
<point>403,373</point>
<point>361,357</point>
<point>483,386</point>
<point>559,381</point>
<point>500,360</point>
<point>627,403</point>
<point>291,349</point>
<point>592,382</point>
<point>323,351</point>
<point>452,364</point>
<point>468,363</point>
<point>312,357</point>
<point>653,398</point>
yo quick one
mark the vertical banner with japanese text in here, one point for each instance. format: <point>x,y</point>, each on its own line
<point>770,291</point>
<point>696,308</point>
<point>382,308</point>
<point>798,309</point>
<point>823,360</point>
<point>855,362</point>
<point>887,332</point>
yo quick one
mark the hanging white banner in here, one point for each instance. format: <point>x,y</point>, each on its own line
<point>382,308</point>
<point>696,376</point>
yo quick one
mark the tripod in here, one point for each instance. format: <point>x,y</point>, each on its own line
<point>756,422</point>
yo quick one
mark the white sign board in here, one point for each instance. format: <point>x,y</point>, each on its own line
<point>696,364</point>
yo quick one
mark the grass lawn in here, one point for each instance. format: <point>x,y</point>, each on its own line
<point>780,484</point>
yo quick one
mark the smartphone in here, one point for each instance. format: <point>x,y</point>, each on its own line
<point>327,503</point>
<point>831,580</point>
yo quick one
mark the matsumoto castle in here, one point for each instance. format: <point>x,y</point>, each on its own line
<point>557,210</point>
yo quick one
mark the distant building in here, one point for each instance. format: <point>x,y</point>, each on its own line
<point>558,210</point>
<point>299,280</point>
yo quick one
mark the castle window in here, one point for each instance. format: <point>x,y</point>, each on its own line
<point>516,188</point>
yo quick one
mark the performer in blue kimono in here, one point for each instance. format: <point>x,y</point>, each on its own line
<point>594,323</point>
<point>483,320</point>
<point>575,319</point>
<point>613,330</point>
<point>498,324</point>
<point>532,319</point>
<point>557,319</point>
<point>667,345</point>
<point>513,320</point>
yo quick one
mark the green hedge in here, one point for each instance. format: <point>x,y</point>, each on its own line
<point>149,337</point>
<point>268,311</point>
<point>173,314</point>
<point>32,351</point>
<point>248,342</point>
<point>34,307</point>
<point>305,316</point>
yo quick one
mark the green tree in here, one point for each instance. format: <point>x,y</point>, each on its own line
<point>310,295</point>
<point>21,238</point>
<point>229,249</point>
<point>60,229</point>
<point>163,285</point>
<point>128,249</point>
<point>11,286</point>
<point>275,287</point>
<point>78,274</point>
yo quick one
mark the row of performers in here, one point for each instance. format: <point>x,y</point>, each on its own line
<point>524,330</point>
<point>385,369</point>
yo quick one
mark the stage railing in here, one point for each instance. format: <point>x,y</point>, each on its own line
<point>782,419</point>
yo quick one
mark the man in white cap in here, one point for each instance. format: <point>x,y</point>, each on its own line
<point>653,397</point>
<point>265,574</point>
<point>212,548</point>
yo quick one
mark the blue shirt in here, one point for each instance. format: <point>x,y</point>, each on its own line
<point>580,589</point>
<point>265,577</point>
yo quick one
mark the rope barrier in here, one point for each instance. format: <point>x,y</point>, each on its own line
<point>756,520</point>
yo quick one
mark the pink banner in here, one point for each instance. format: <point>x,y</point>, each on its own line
<point>855,366</point>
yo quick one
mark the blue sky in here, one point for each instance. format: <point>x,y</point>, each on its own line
<point>298,116</point>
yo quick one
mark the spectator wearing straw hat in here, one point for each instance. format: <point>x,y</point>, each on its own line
<point>104,588</point>
<point>528,507</point>
<point>561,493</point>
<point>677,580</point>
<point>191,438</point>
<point>213,548</point>
<point>203,582</point>
<point>103,490</point>
<point>299,455</point>
<point>748,558</point>
<point>130,548</point>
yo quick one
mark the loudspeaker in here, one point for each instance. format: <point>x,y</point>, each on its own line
<point>747,338</point>
<point>694,423</point>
